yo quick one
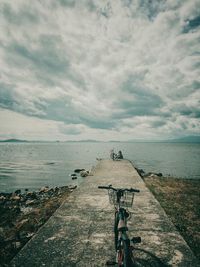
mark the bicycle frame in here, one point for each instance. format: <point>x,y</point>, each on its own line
<point>121,216</point>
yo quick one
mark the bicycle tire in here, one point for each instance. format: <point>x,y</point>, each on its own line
<point>116,233</point>
<point>127,254</point>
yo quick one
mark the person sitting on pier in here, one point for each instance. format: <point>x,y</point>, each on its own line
<point>112,154</point>
<point>115,156</point>
<point>119,155</point>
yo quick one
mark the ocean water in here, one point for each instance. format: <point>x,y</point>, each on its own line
<point>33,165</point>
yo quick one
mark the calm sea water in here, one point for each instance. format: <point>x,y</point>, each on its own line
<point>32,165</point>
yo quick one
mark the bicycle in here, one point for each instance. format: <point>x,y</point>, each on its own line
<point>122,198</point>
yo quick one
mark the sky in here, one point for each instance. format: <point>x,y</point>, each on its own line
<point>98,69</point>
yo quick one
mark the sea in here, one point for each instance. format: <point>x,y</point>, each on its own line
<point>34,165</point>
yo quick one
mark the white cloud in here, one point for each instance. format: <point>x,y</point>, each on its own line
<point>94,65</point>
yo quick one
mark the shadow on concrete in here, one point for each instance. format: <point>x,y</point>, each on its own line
<point>145,258</point>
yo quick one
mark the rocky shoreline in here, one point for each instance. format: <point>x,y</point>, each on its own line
<point>144,174</point>
<point>23,213</point>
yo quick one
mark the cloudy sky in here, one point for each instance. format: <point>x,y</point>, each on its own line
<point>99,69</point>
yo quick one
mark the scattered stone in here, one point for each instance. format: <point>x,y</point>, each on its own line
<point>56,189</point>
<point>98,159</point>
<point>143,174</point>
<point>44,189</point>
<point>30,202</point>
<point>31,195</point>
<point>141,171</point>
<point>153,174</point>
<point>23,234</point>
<point>84,173</point>
<point>18,192</point>
<point>74,177</point>
<point>21,224</point>
<point>15,198</point>
<point>29,235</point>
<point>18,244</point>
<point>2,198</point>
<point>79,170</point>
<point>26,210</point>
<point>71,187</point>
<point>73,174</point>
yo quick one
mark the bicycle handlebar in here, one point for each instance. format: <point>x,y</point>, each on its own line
<point>117,189</point>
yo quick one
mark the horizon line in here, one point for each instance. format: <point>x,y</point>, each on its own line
<point>195,138</point>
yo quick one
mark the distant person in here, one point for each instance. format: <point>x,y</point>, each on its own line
<point>119,155</point>
<point>112,154</point>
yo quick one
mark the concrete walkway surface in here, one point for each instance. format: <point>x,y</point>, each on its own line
<point>80,233</point>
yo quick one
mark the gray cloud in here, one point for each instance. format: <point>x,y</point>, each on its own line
<point>26,15</point>
<point>6,96</point>
<point>152,8</point>
<point>193,112</point>
<point>158,123</point>
<point>191,24</point>
<point>67,3</point>
<point>119,66</point>
<point>136,100</point>
<point>44,58</point>
<point>10,98</point>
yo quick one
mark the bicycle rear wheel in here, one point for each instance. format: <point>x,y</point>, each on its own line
<point>127,254</point>
<point>116,233</point>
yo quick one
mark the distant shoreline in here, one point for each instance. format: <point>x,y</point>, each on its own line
<point>185,140</point>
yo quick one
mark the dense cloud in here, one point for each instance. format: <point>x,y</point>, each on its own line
<point>100,69</point>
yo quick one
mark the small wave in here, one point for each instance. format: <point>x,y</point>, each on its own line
<point>4,175</point>
<point>5,170</point>
<point>49,163</point>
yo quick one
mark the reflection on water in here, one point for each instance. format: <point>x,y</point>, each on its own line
<point>32,165</point>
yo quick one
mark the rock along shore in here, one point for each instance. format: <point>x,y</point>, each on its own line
<point>23,213</point>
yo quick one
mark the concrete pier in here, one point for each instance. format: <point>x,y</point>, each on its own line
<point>80,233</point>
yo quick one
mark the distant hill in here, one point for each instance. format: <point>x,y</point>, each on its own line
<point>186,139</point>
<point>13,141</point>
<point>82,141</point>
<point>89,140</point>
<point>39,141</point>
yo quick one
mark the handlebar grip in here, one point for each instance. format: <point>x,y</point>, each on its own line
<point>136,190</point>
<point>103,187</point>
